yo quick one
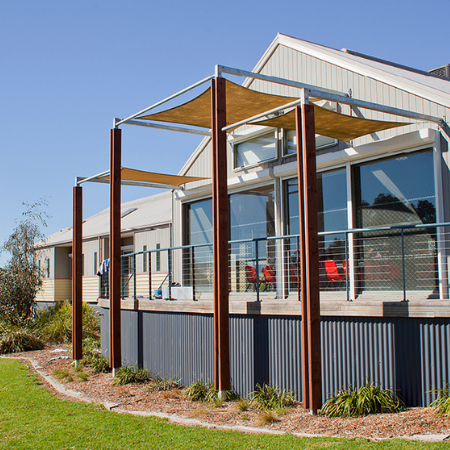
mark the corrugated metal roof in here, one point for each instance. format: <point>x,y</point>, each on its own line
<point>150,211</point>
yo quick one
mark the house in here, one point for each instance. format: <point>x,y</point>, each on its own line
<point>146,225</point>
<point>383,218</point>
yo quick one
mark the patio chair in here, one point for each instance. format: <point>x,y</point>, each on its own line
<point>250,275</point>
<point>269,275</point>
<point>332,272</point>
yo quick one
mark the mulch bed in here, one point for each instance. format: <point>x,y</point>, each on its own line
<point>98,388</point>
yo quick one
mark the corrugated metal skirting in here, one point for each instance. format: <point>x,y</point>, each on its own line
<point>409,355</point>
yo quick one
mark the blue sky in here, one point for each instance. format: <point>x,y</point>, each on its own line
<point>68,68</point>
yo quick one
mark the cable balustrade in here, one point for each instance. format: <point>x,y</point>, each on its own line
<point>392,263</point>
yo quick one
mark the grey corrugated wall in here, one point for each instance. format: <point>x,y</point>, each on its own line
<point>409,355</point>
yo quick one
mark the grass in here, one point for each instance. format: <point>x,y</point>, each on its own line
<point>31,418</point>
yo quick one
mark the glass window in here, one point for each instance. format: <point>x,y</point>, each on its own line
<point>332,202</point>
<point>252,214</point>
<point>199,222</point>
<point>394,192</point>
<point>253,151</point>
<point>332,216</point>
<point>290,142</point>
<point>158,258</point>
<point>144,259</point>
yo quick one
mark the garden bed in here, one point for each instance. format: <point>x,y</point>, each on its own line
<point>98,388</point>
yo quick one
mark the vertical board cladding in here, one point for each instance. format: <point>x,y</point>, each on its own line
<point>408,355</point>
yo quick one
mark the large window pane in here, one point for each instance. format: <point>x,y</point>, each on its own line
<point>198,263</point>
<point>393,192</point>
<point>332,216</point>
<point>332,202</point>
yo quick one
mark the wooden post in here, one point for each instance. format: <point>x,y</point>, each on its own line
<point>115,351</point>
<point>302,259</point>
<point>77,281</point>
<point>222,380</point>
<point>312,256</point>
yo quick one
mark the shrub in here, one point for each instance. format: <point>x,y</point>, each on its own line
<point>129,374</point>
<point>442,403</point>
<point>268,397</point>
<point>200,391</point>
<point>92,356</point>
<point>55,323</point>
<point>18,338</point>
<point>368,399</point>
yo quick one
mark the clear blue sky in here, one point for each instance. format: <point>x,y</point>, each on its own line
<point>68,68</point>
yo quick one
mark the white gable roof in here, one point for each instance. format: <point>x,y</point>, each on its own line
<point>420,83</point>
<point>147,212</point>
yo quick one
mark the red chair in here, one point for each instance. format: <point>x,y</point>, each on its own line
<point>269,275</point>
<point>250,275</point>
<point>333,274</point>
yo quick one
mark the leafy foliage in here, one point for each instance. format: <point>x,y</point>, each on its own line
<point>21,279</point>
<point>130,374</point>
<point>368,399</point>
<point>55,323</point>
<point>18,338</point>
<point>92,356</point>
<point>442,403</point>
<point>268,397</point>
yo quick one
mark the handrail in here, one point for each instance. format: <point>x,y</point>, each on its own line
<point>254,245</point>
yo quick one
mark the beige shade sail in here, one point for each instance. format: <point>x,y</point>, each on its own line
<point>243,103</point>
<point>152,177</point>
<point>334,125</point>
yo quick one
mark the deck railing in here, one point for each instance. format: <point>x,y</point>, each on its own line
<point>396,263</point>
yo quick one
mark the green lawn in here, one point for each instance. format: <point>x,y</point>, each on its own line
<point>31,418</point>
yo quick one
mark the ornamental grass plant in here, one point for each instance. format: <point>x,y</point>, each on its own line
<point>442,403</point>
<point>267,397</point>
<point>368,399</point>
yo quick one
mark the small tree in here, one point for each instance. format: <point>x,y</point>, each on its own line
<point>21,278</point>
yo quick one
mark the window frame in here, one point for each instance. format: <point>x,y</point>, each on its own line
<point>243,139</point>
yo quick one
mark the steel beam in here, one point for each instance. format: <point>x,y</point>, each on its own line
<point>335,96</point>
<point>115,351</point>
<point>77,282</point>
<point>312,256</point>
<point>220,238</point>
<point>166,127</point>
<point>92,179</point>
<point>273,79</point>
<point>171,97</point>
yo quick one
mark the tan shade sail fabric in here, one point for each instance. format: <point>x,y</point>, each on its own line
<point>152,177</point>
<point>243,103</point>
<point>334,125</point>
